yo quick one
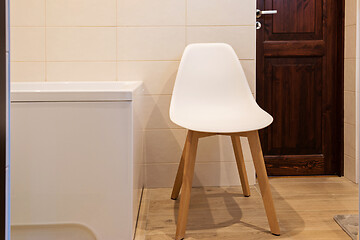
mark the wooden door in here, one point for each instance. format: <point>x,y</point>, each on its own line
<point>300,83</point>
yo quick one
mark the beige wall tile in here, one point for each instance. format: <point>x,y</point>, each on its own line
<point>158,76</point>
<point>209,150</point>
<point>164,145</point>
<point>151,12</point>
<point>81,44</point>
<point>151,43</point>
<point>242,38</point>
<point>27,71</point>
<point>27,44</point>
<point>350,168</point>
<point>156,112</point>
<point>81,12</point>
<point>206,174</point>
<point>249,67</point>
<point>349,107</point>
<point>220,149</point>
<point>221,174</point>
<point>27,13</point>
<point>350,12</point>
<point>350,42</point>
<point>221,12</point>
<point>350,75</point>
<point>81,71</point>
<point>349,140</point>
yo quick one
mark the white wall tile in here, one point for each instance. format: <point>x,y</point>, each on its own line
<point>27,44</point>
<point>151,12</point>
<point>242,39</point>
<point>81,44</point>
<point>151,43</point>
<point>158,76</point>
<point>29,13</point>
<point>27,71</point>
<point>81,12</point>
<point>81,71</point>
<point>221,12</point>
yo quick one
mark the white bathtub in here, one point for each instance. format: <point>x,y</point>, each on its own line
<point>76,160</point>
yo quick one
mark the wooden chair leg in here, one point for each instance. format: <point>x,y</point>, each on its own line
<point>189,166</point>
<point>180,171</point>
<point>241,165</point>
<point>260,168</point>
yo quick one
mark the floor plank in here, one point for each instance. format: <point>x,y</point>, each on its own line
<point>305,207</point>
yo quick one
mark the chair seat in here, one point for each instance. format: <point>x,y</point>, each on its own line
<point>223,122</point>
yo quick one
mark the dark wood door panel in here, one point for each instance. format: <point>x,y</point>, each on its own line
<point>295,165</point>
<point>294,48</point>
<point>296,19</point>
<point>299,16</point>
<point>294,99</point>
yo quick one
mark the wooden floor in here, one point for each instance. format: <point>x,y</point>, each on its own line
<point>305,208</point>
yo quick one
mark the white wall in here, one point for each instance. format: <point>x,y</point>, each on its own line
<point>122,40</point>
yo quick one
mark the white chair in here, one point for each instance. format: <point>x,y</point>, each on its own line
<point>212,97</point>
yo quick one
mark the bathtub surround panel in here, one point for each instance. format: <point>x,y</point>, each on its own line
<point>132,40</point>
<point>81,162</point>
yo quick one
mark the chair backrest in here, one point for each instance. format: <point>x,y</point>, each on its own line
<point>210,80</point>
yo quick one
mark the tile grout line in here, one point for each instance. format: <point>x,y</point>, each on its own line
<point>134,26</point>
<point>45,67</point>
<point>186,22</point>
<point>116,41</point>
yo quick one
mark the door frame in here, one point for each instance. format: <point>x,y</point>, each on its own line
<point>339,108</point>
<point>3,116</point>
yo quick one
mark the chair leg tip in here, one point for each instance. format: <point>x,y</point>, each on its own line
<point>173,198</point>
<point>276,234</point>
<point>246,195</point>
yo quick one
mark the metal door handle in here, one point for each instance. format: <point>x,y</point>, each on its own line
<point>258,25</point>
<point>259,13</point>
